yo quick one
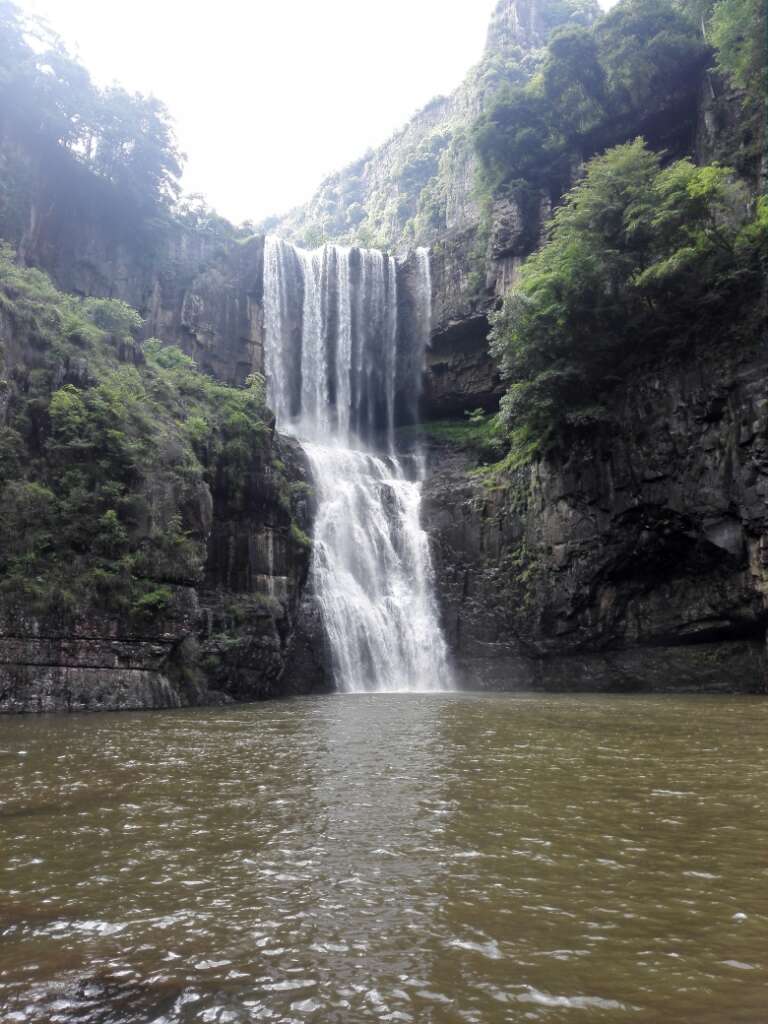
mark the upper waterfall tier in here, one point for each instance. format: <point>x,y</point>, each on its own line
<point>346,333</point>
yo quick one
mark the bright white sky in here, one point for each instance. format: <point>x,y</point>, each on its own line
<point>269,96</point>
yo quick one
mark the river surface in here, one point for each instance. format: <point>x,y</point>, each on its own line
<point>425,858</point>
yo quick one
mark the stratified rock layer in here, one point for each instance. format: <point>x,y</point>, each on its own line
<point>228,638</point>
<point>636,560</point>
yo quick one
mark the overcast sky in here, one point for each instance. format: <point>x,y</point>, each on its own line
<point>269,96</point>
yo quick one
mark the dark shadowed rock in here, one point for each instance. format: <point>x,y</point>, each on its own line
<point>636,559</point>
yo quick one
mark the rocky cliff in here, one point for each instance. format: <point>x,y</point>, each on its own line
<point>226,637</point>
<point>636,559</point>
<point>196,284</point>
<point>153,546</point>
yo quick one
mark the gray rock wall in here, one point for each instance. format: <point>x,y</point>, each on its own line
<point>637,559</point>
<point>230,638</point>
<point>196,286</point>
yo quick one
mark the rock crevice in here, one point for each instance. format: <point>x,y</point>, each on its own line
<point>635,559</point>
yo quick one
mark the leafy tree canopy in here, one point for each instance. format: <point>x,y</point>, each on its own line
<point>639,256</point>
<point>738,29</point>
<point>596,86</point>
<point>650,51</point>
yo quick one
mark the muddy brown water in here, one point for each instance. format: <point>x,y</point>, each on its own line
<point>436,858</point>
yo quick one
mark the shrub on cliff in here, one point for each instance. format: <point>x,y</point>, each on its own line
<point>109,450</point>
<point>596,86</point>
<point>738,29</point>
<point>639,256</point>
<point>651,53</point>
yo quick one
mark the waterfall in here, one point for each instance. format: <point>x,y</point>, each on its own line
<point>342,367</point>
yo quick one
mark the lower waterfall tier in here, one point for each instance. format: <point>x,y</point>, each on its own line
<point>373,574</point>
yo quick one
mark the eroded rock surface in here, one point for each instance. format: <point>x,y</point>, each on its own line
<point>637,560</point>
<point>228,638</point>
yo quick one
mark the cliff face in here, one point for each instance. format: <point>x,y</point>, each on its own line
<point>471,271</point>
<point>211,307</point>
<point>635,557</point>
<point>226,637</point>
<point>633,561</point>
<point>153,546</point>
<point>195,285</point>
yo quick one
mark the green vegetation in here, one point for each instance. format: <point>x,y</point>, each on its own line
<point>478,432</point>
<point>738,30</point>
<point>595,87</point>
<point>645,252</point>
<point>560,12</point>
<point>299,537</point>
<point>109,454</point>
<point>639,257</point>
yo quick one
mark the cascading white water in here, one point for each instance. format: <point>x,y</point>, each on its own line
<point>338,364</point>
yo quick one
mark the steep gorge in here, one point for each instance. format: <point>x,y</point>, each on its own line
<point>633,559</point>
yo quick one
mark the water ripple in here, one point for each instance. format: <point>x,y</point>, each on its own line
<point>436,859</point>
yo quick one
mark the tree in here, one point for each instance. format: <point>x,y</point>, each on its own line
<point>572,12</point>
<point>651,53</point>
<point>639,256</point>
<point>637,69</point>
<point>136,148</point>
<point>738,29</point>
<point>574,82</point>
<point>516,139</point>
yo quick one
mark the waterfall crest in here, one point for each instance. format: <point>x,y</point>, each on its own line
<point>342,367</point>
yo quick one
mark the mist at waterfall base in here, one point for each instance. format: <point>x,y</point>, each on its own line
<point>344,352</point>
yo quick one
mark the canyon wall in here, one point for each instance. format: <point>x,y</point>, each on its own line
<point>636,559</point>
<point>225,637</point>
<point>195,284</point>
